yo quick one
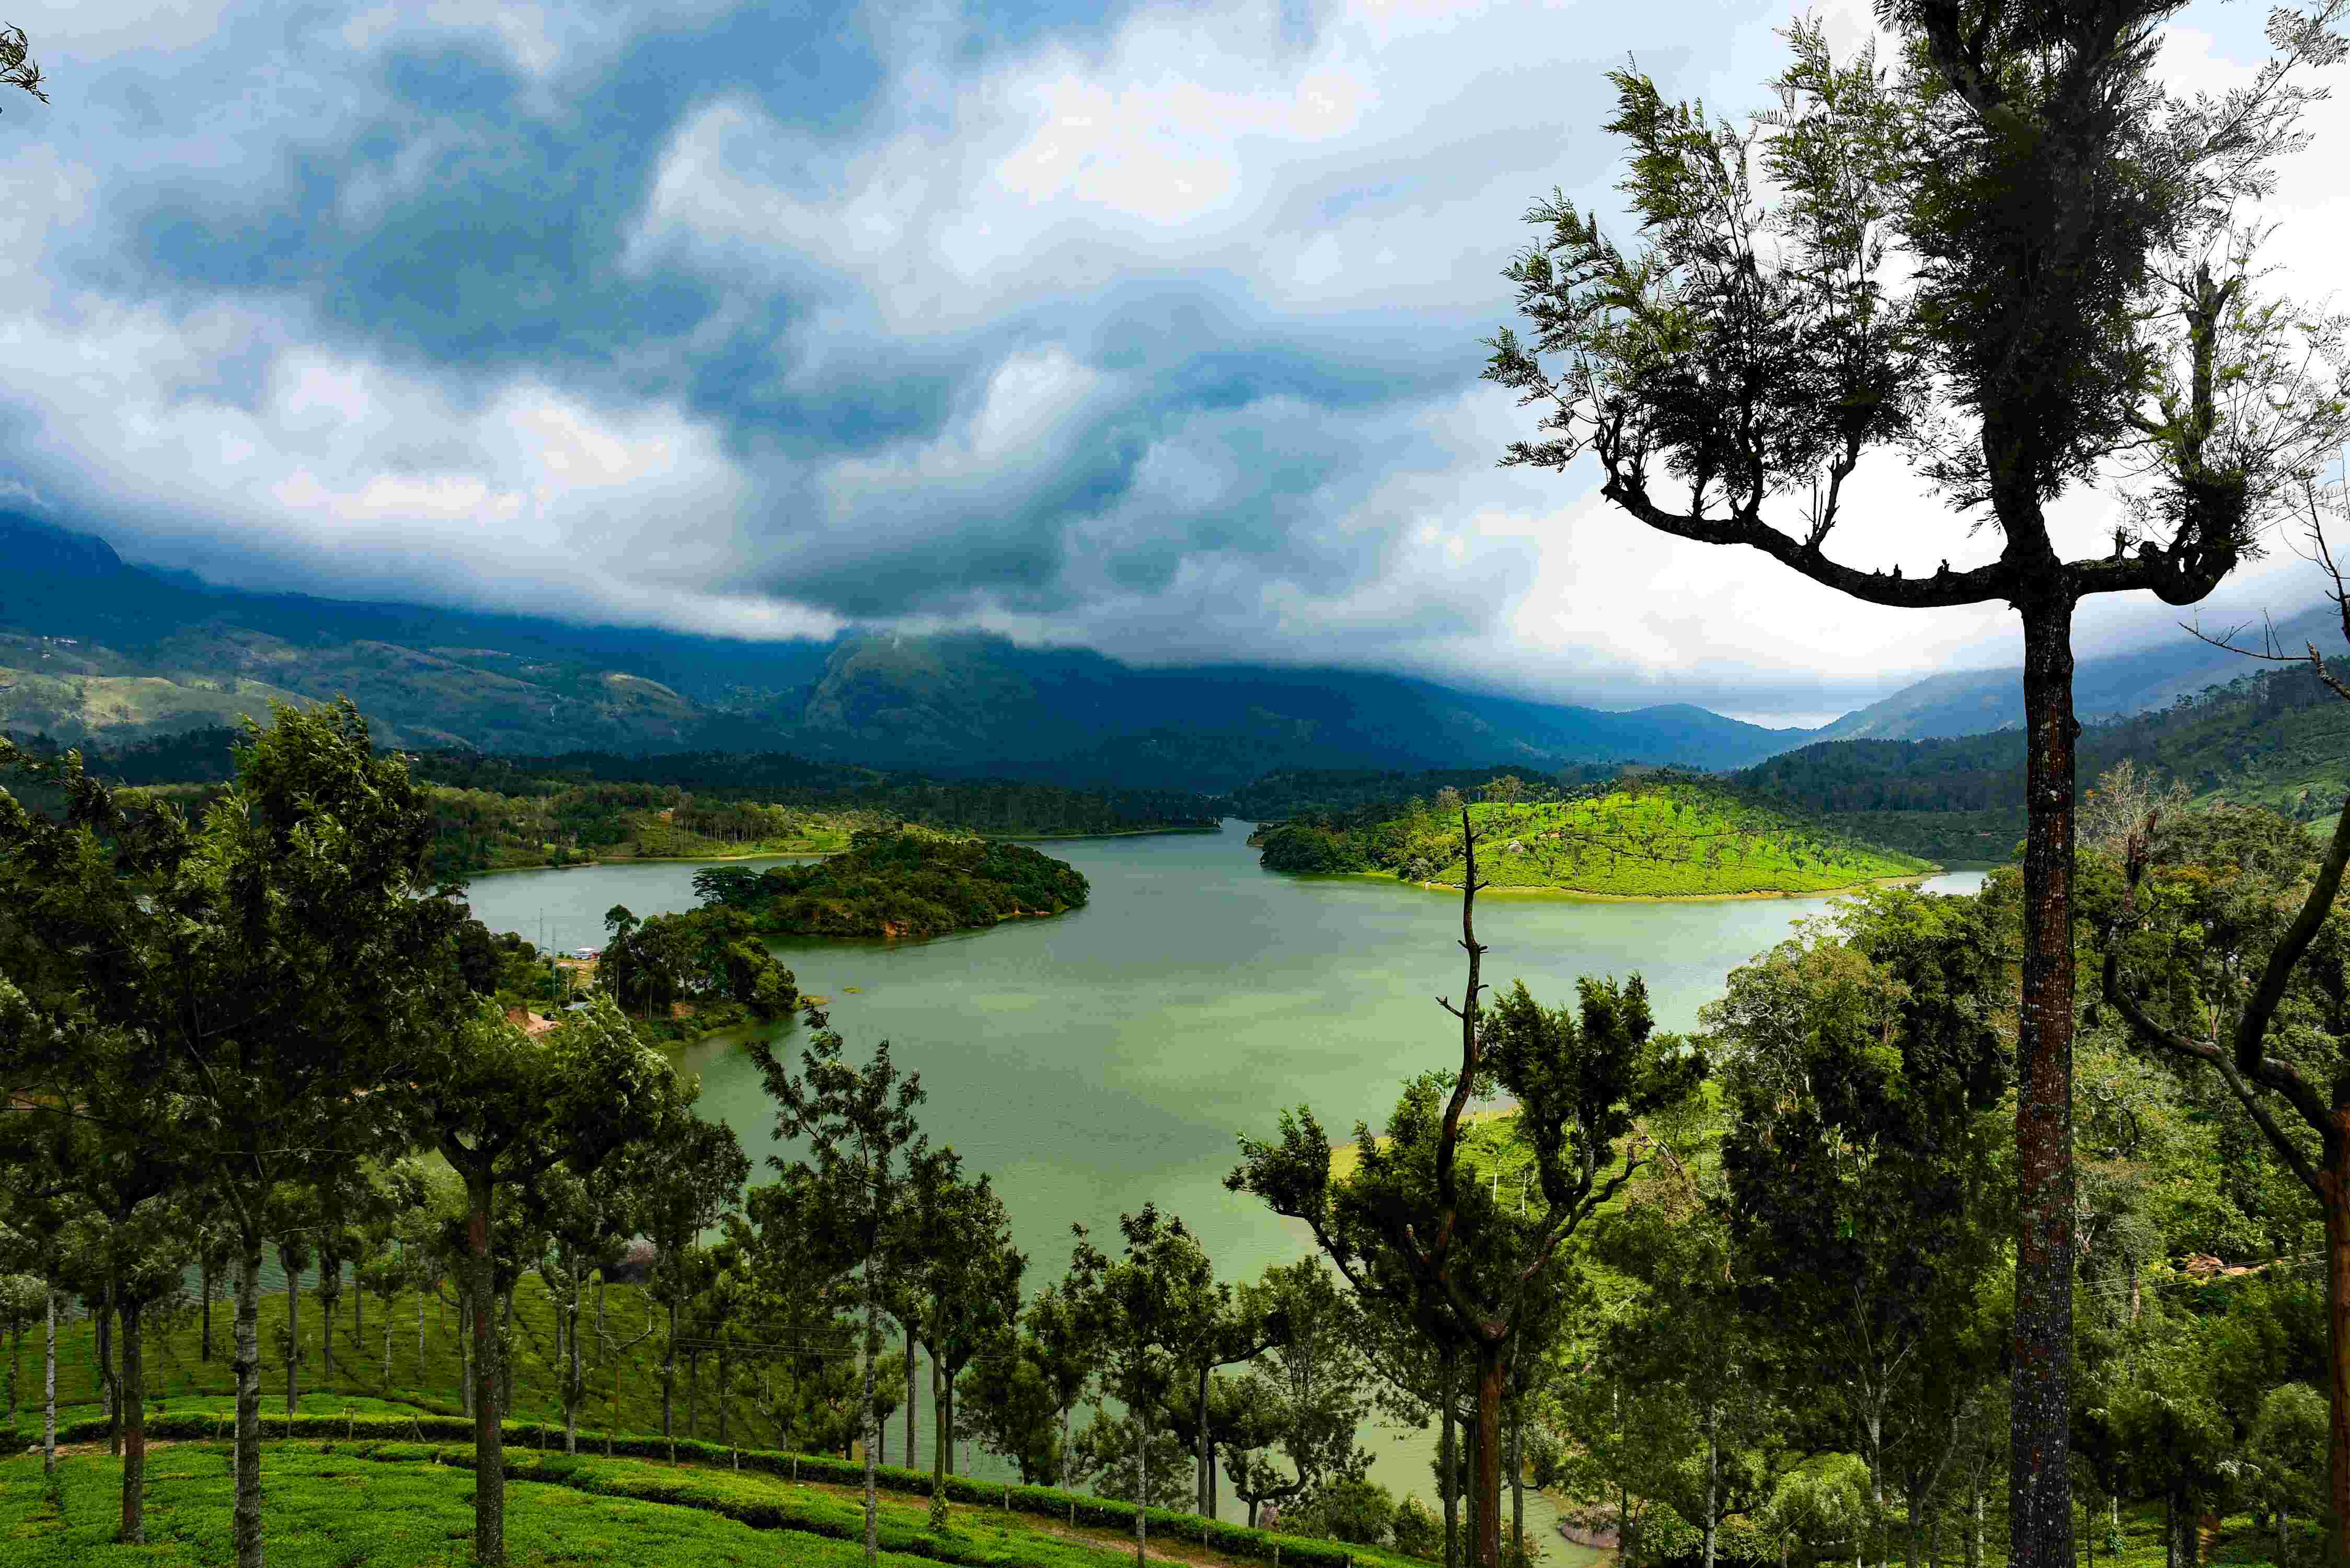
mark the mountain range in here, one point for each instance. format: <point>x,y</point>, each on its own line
<point>94,649</point>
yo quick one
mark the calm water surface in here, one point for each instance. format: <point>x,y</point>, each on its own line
<point>1110,1058</point>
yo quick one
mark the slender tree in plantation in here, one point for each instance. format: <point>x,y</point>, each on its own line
<point>1305,1399</point>
<point>280,957</point>
<point>2021,260</point>
<point>1160,1294</point>
<point>1581,1084</point>
<point>683,1177</point>
<point>858,1126</point>
<point>502,1107</point>
<point>1066,1352</point>
<point>588,1221</point>
<point>963,1272</point>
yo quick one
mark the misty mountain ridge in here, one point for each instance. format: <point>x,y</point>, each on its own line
<point>103,651</point>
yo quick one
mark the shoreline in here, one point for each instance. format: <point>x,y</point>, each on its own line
<point>820,854</point>
<point>1577,895</point>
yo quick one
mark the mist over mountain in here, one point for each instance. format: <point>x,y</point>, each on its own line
<point>98,650</point>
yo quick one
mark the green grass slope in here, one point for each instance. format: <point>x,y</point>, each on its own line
<point>1638,839</point>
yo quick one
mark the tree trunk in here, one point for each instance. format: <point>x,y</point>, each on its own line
<point>1206,1508</point>
<point>387,1344</point>
<point>293,1332</point>
<point>505,1360</point>
<point>1487,1459</point>
<point>133,1531</point>
<point>2040,1498</point>
<point>2336,1181</point>
<point>911,1402</point>
<point>1448,1455</point>
<point>204,1291</point>
<point>49,1379</point>
<point>669,1378</point>
<point>465,1358</point>
<point>721,1395</point>
<point>1141,1480</point>
<point>693,1394</point>
<point>245,1527</point>
<point>871,1424</point>
<point>359,1313</point>
<point>109,1395</point>
<point>941,1456</point>
<point>489,1439</point>
<point>419,1333</point>
<point>573,1387</point>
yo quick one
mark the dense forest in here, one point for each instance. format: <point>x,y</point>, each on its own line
<point>896,884</point>
<point>1662,836</point>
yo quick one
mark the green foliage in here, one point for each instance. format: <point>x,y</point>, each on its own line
<point>1665,837</point>
<point>898,885</point>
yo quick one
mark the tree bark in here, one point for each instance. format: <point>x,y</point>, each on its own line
<point>506,1361</point>
<point>1448,1455</point>
<point>1200,1503</point>
<point>941,1439</point>
<point>133,1531</point>
<point>1489,1454</point>
<point>245,1525</point>
<point>2040,1500</point>
<point>102,1343</point>
<point>293,1332</point>
<point>204,1291</point>
<point>694,1395</point>
<point>489,1439</point>
<point>420,1335</point>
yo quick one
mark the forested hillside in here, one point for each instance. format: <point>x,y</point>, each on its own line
<point>1663,837</point>
<point>491,813</point>
<point>2276,738</point>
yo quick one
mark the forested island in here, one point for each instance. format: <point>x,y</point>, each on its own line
<point>1663,837</point>
<point>896,884</point>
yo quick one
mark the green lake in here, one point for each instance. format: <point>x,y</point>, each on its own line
<point>1111,1057</point>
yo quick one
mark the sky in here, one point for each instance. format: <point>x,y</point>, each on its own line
<point>1149,328</point>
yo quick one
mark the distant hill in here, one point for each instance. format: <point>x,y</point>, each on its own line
<point>1659,837</point>
<point>2269,737</point>
<point>93,649</point>
<point>1977,701</point>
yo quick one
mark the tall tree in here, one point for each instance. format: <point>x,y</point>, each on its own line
<point>858,1125</point>
<point>502,1107</point>
<point>965,1273</point>
<point>685,1175</point>
<point>1142,1304</point>
<point>1305,1398</point>
<point>2023,261</point>
<point>1581,1084</point>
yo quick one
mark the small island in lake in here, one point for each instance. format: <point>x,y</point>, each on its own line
<point>898,884</point>
<point>1663,837</point>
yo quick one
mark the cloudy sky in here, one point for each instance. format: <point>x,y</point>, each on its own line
<point>1153,328</point>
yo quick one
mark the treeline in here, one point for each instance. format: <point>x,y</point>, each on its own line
<point>2274,738</point>
<point>1658,834</point>
<point>1287,793</point>
<point>497,812</point>
<point>895,885</point>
